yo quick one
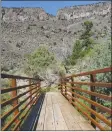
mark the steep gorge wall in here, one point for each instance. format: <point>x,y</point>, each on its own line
<point>76,12</point>
<point>25,29</point>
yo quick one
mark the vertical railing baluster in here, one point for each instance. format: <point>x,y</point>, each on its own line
<point>39,85</point>
<point>72,80</point>
<point>14,94</point>
<point>37,88</point>
<point>65,88</point>
<point>30,87</point>
<point>61,86</point>
<point>93,98</point>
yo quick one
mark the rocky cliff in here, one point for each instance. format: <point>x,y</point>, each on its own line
<point>25,29</point>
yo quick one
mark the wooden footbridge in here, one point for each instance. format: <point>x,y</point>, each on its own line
<point>71,108</point>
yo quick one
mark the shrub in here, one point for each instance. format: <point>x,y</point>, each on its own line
<point>76,53</point>
<point>39,61</point>
<point>99,57</point>
<point>87,32</point>
<point>81,48</point>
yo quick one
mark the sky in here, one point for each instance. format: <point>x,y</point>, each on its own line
<point>50,7</point>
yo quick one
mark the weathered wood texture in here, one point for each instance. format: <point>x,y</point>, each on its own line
<point>58,114</point>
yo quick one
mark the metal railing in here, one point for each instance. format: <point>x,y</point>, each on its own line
<point>21,100</point>
<point>74,92</point>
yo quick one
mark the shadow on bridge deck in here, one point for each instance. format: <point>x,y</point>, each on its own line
<point>54,112</point>
<point>31,121</point>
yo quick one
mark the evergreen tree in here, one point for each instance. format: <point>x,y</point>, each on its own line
<point>76,53</point>
<point>82,46</point>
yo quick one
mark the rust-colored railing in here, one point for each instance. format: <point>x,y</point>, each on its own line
<point>21,100</point>
<point>72,89</point>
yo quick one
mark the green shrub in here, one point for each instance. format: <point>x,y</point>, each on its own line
<point>99,57</point>
<point>39,61</point>
<point>87,25</point>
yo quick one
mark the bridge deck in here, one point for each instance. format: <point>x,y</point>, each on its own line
<point>58,114</point>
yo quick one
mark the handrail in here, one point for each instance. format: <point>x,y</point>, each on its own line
<point>18,124</point>
<point>17,77</point>
<point>109,98</point>
<point>5,90</point>
<point>71,90</point>
<point>17,106</point>
<point>14,98</point>
<point>104,70</point>
<point>31,93</point>
<point>98,84</point>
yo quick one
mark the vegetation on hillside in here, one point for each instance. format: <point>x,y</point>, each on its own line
<point>89,55</point>
<point>41,62</point>
<point>82,46</point>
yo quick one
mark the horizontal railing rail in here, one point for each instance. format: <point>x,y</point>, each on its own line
<point>6,90</point>
<point>17,77</point>
<point>104,70</point>
<point>22,98</point>
<point>93,110</point>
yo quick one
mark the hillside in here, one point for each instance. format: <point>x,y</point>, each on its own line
<point>25,29</point>
<point>54,50</point>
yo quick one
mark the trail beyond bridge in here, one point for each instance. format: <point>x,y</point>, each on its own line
<point>28,108</point>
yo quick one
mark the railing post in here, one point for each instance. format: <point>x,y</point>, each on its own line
<point>93,98</point>
<point>30,91</point>
<point>14,94</point>
<point>39,84</point>
<point>72,80</point>
<point>65,89</point>
<point>61,85</point>
<point>38,87</point>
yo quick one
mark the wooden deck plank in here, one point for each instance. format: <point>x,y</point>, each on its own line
<point>58,114</point>
<point>85,126</point>
<point>49,102</point>
<point>58,118</point>
<point>77,116</point>
<point>49,117</point>
<point>66,112</point>
<point>40,125</point>
<point>74,120</point>
<point>71,123</point>
<point>54,99</point>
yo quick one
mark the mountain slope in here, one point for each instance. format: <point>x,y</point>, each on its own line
<point>25,29</point>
